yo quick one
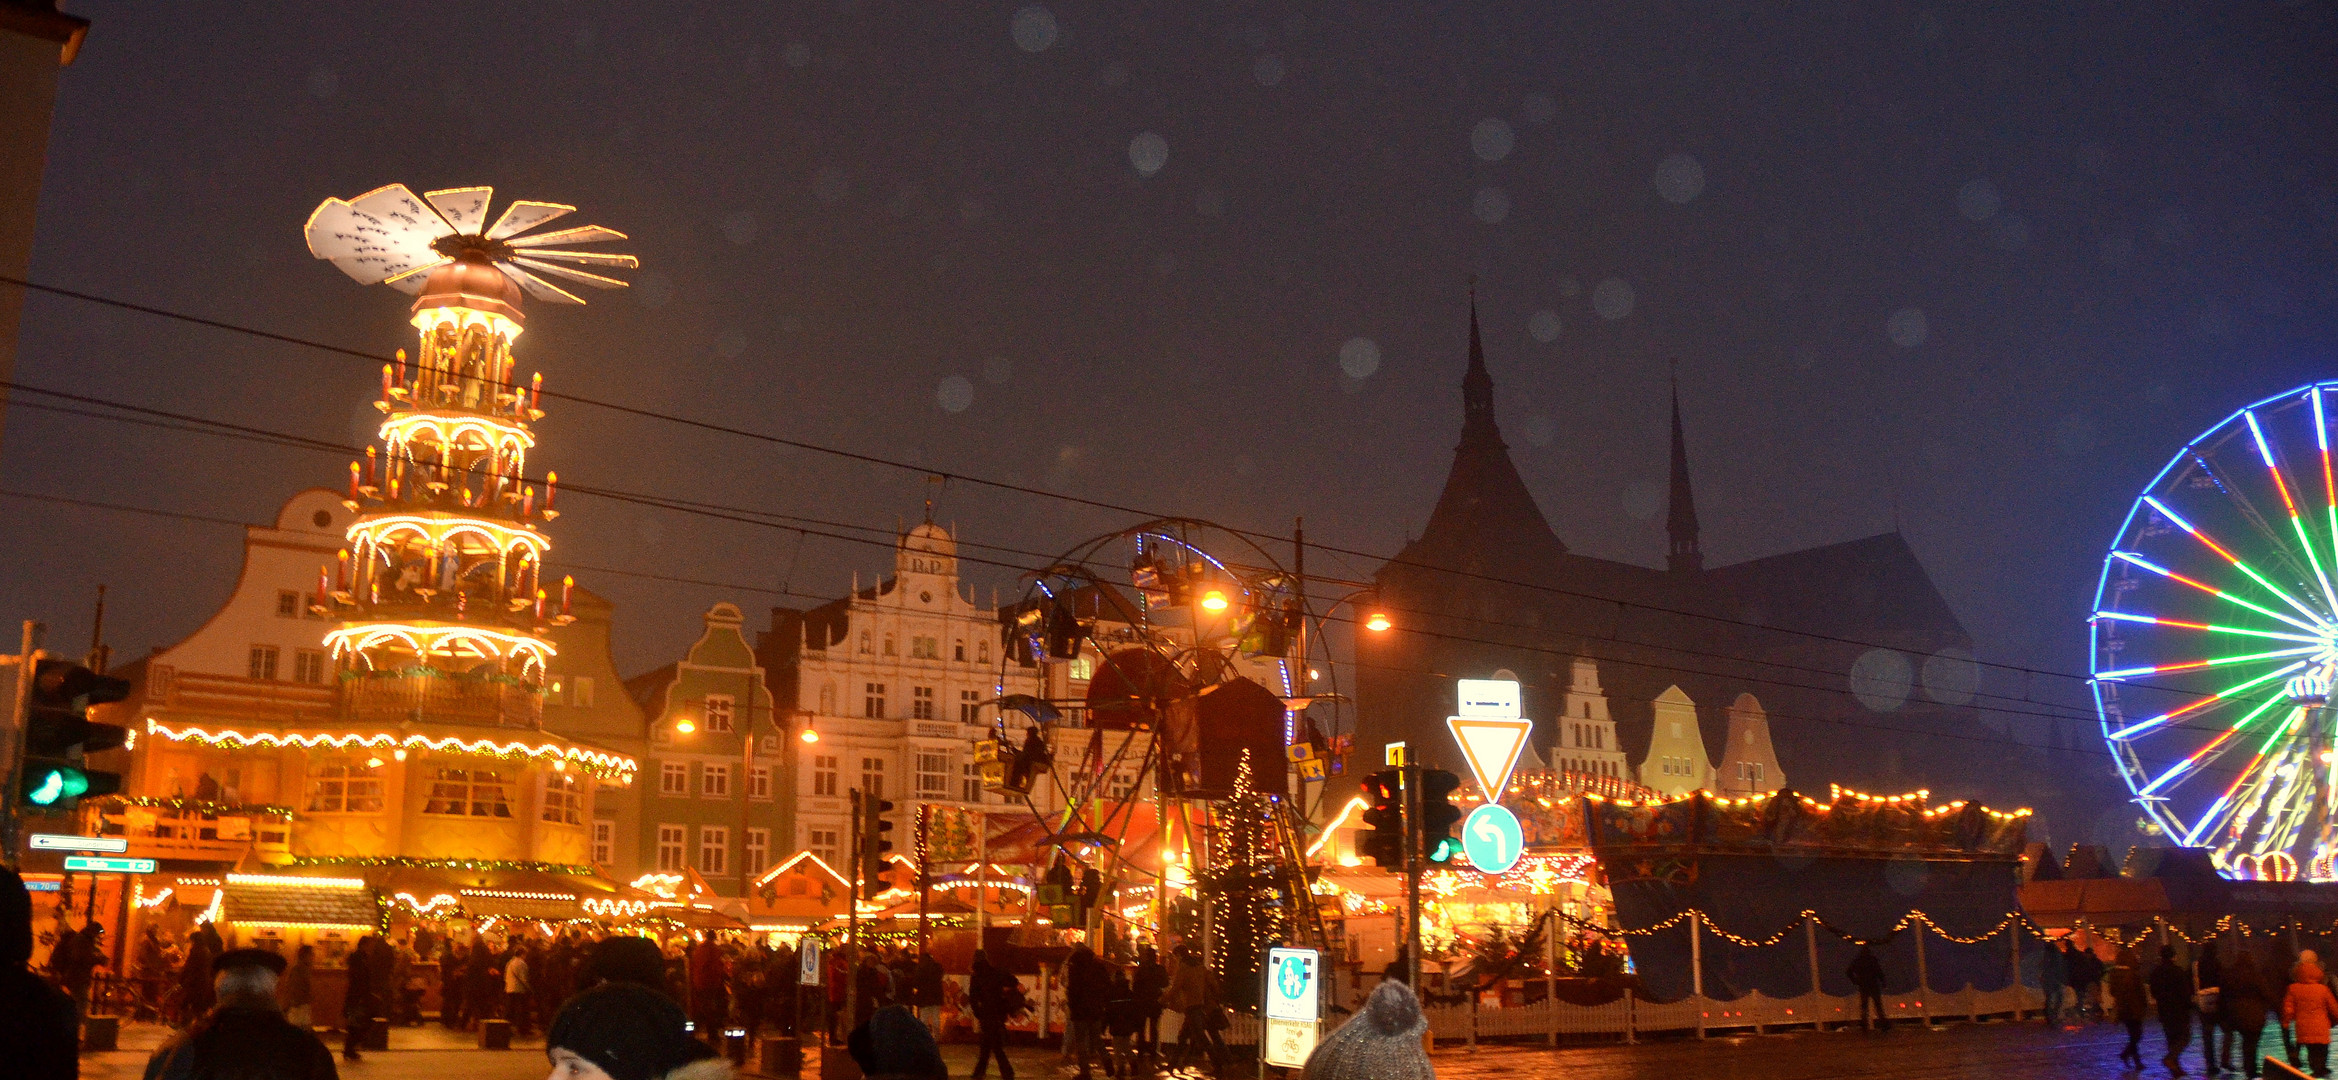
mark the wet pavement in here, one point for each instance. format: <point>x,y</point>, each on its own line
<point>1960,1051</point>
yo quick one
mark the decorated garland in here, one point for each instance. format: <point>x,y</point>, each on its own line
<point>412,863</point>
<point>182,805</point>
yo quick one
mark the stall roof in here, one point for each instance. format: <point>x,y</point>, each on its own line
<point>252,898</point>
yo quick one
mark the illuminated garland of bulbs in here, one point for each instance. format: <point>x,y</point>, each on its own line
<point>2014,920</point>
<point>599,763</point>
<point>165,802</point>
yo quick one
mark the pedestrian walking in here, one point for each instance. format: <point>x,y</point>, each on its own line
<point>1382,1041</point>
<point>2171,993</point>
<point>195,977</point>
<point>895,1045</point>
<point>2086,980</point>
<point>996,998</point>
<point>517,991</point>
<point>2207,990</point>
<point>2125,982</point>
<point>925,991</point>
<point>1202,1018</point>
<point>1124,1026</point>
<point>450,984</point>
<point>1866,975</point>
<point>1087,988</point>
<point>710,997</point>
<point>2054,978</point>
<point>357,1001</point>
<point>36,1019</point>
<point>1150,982</point>
<point>244,1034</point>
<point>2311,1008</point>
<point>2241,1008</point>
<point>624,1030</point>
<point>299,988</point>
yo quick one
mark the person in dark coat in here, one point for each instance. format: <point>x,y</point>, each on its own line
<point>895,1045</point>
<point>195,977</point>
<point>2242,1006</point>
<point>482,984</point>
<point>358,1003</point>
<point>2054,978</point>
<point>1866,974</point>
<point>36,1019</point>
<point>244,1034</point>
<point>925,991</point>
<point>710,992</point>
<point>2129,1002</point>
<point>450,984</point>
<point>995,996</point>
<point>1150,982</point>
<point>2171,994</point>
<point>625,1030</point>
<point>1087,993</point>
<point>2086,976</point>
<point>2208,978</point>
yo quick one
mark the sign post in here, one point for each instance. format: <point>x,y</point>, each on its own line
<point>103,845</point>
<point>1293,1006</point>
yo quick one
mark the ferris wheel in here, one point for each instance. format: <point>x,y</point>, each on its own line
<point>2215,636</point>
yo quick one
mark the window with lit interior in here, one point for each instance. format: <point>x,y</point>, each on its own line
<point>467,793</point>
<point>345,787</point>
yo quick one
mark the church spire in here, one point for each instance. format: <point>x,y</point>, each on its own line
<point>1681,525</point>
<point>1477,387</point>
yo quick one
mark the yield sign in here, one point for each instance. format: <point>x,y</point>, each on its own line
<point>1491,745</point>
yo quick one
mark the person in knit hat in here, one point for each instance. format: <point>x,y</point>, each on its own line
<point>896,1045</point>
<point>1381,1042</point>
<point>626,1031</point>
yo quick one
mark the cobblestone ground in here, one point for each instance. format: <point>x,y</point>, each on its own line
<point>1961,1051</point>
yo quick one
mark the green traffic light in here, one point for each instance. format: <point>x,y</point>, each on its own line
<point>1443,851</point>
<point>51,789</point>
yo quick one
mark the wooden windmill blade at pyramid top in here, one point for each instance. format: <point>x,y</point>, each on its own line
<point>422,244</point>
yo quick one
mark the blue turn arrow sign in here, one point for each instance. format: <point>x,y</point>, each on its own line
<point>1492,839</point>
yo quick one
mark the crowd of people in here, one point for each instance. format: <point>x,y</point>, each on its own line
<point>2230,1006</point>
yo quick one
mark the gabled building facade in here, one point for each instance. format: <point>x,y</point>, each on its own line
<point>718,781</point>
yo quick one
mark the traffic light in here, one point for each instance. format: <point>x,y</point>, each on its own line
<point>1384,844</point>
<point>58,735</point>
<point>1438,816</point>
<point>876,842</point>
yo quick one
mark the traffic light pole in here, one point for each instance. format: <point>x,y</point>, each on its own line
<point>27,659</point>
<point>1412,873</point>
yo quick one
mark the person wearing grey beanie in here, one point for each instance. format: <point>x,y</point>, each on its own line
<point>1381,1042</point>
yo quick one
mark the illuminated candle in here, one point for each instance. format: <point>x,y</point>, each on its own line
<point>401,367</point>
<point>539,603</point>
<point>567,585</point>
<point>373,466</point>
<point>320,585</point>
<point>341,573</point>
<point>385,382</point>
<point>353,481</point>
<point>527,501</point>
<point>551,480</point>
<point>536,391</point>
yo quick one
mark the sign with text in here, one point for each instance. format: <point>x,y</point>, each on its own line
<point>1293,992</point>
<point>1489,697</point>
<point>96,864</point>
<point>110,845</point>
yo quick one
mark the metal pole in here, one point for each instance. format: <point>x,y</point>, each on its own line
<point>27,659</point>
<point>1923,978</point>
<point>852,918</point>
<point>924,878</point>
<point>982,878</point>
<point>1817,992</point>
<point>1697,969</point>
<point>1550,970</point>
<point>747,796</point>
<point>1410,777</point>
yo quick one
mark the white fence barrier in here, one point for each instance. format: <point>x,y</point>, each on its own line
<point>1626,1018</point>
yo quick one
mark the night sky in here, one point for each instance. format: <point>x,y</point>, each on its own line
<point>1976,272</point>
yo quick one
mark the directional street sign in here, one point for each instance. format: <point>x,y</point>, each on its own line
<point>111,845</point>
<point>1490,836</point>
<point>96,864</point>
<point>1293,986</point>
<point>1490,731</point>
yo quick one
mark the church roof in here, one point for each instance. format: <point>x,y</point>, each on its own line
<point>1871,590</point>
<point>1485,520</point>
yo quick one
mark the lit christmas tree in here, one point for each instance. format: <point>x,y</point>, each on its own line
<point>1245,886</point>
